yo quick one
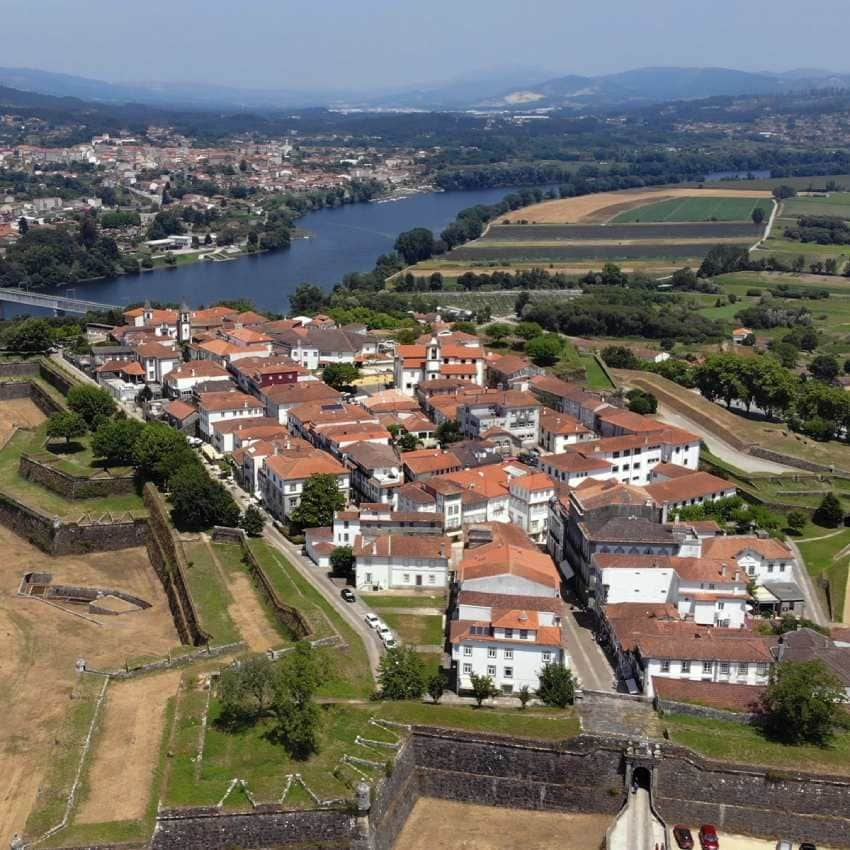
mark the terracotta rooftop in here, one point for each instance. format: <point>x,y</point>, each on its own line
<point>728,548</point>
<point>430,546</point>
<point>219,401</point>
<point>695,486</point>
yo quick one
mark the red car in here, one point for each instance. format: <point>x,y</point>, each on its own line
<point>708,837</point>
<point>683,837</point>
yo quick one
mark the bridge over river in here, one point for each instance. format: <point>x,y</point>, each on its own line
<point>58,304</point>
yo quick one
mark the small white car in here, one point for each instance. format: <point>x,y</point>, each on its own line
<point>384,631</point>
<point>389,641</point>
<point>372,621</point>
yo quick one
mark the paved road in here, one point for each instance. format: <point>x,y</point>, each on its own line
<point>720,448</point>
<point>63,365</point>
<point>815,609</point>
<point>636,827</point>
<point>586,656</point>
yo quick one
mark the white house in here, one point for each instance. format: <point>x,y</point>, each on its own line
<point>529,504</point>
<point>762,559</point>
<point>513,412</point>
<point>402,561</point>
<point>218,407</point>
<point>282,478</point>
<point>157,360</point>
<point>559,430</point>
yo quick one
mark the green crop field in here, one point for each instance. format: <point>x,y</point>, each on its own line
<point>837,204</point>
<point>696,209</point>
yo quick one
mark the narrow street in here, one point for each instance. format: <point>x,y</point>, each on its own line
<point>586,656</point>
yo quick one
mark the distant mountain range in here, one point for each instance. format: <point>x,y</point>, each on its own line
<point>511,89</point>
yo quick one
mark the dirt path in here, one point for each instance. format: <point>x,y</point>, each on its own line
<point>602,206</point>
<point>18,413</point>
<point>245,610</point>
<point>463,826</point>
<point>127,749</point>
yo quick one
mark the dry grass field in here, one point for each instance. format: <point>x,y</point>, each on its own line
<point>462,826</point>
<point>18,413</point>
<point>603,206</point>
<point>41,644</point>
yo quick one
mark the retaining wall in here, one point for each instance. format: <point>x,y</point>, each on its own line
<point>11,390</point>
<point>394,800</point>
<point>69,538</point>
<point>20,369</point>
<point>73,486</point>
<point>675,707</point>
<point>168,559</point>
<point>57,378</point>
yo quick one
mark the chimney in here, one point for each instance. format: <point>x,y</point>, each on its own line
<point>723,569</point>
<point>737,575</point>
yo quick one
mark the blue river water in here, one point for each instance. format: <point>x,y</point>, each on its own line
<point>341,240</point>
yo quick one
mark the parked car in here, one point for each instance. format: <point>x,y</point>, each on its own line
<point>807,845</point>
<point>783,844</point>
<point>389,641</point>
<point>708,837</point>
<point>372,621</point>
<point>384,630</point>
<point>347,594</point>
<point>683,837</point>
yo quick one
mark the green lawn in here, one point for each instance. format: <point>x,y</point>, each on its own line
<point>696,209</point>
<point>423,600</point>
<point>596,378</point>
<point>551,724</point>
<point>253,755</point>
<point>739,742</point>
<point>348,672</point>
<point>837,204</point>
<point>417,628</point>
<point>210,594</point>
<point>819,553</point>
<point>46,500</point>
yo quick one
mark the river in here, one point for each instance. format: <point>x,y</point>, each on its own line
<point>341,240</point>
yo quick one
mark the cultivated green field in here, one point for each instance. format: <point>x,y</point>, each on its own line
<point>837,204</point>
<point>696,209</point>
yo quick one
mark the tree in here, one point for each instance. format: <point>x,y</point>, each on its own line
<point>340,376</point>
<point>829,513</point>
<point>824,367</point>
<point>160,451</point>
<point>796,520</point>
<point>401,674</point>
<point>498,331</point>
<point>544,350</point>
<point>784,191</point>
<point>640,401</point>
<point>437,686</point>
<point>23,226</point>
<point>802,703</point>
<point>342,561</point>
<point>198,502</point>
<point>527,330</point>
<point>483,688</point>
<point>786,353</point>
<point>307,299</point>
<point>407,442</point>
<point>90,402</point>
<point>415,245</point>
<point>448,432</point>
<point>88,233</point>
<point>757,215</point>
<point>557,685</point>
<point>524,696</point>
<point>115,441</point>
<point>252,522</point>
<point>246,692</point>
<point>320,500</point>
<point>66,424</point>
<point>620,357</point>
<point>29,336</point>
<point>522,301</point>
<point>293,705</point>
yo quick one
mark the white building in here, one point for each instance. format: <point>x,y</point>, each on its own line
<point>218,407</point>
<point>529,504</point>
<point>512,412</point>
<point>282,479</point>
<point>559,430</point>
<point>406,561</point>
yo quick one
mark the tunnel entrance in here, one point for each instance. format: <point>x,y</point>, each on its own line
<point>641,778</point>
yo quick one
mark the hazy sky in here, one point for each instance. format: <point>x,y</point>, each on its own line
<point>347,44</point>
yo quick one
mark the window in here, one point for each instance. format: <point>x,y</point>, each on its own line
<point>509,633</point>
<point>467,668</point>
<point>467,650</point>
<point>523,634</point>
<point>686,666</point>
<point>707,666</point>
<point>432,579</point>
<point>743,671</point>
<point>509,655</point>
<point>547,657</point>
<point>721,606</point>
<point>508,673</point>
<point>491,669</point>
<point>724,668</point>
<point>491,652</point>
<point>406,578</point>
<point>761,669</point>
<point>665,666</point>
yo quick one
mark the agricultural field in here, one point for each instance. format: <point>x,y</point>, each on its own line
<point>483,250</point>
<point>697,209</point>
<point>676,231</point>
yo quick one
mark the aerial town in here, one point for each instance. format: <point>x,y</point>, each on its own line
<point>396,464</point>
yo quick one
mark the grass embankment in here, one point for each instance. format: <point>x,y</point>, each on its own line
<point>210,594</point>
<point>348,673</point>
<point>745,744</point>
<point>32,442</point>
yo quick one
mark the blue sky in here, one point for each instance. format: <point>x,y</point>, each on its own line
<point>359,44</point>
